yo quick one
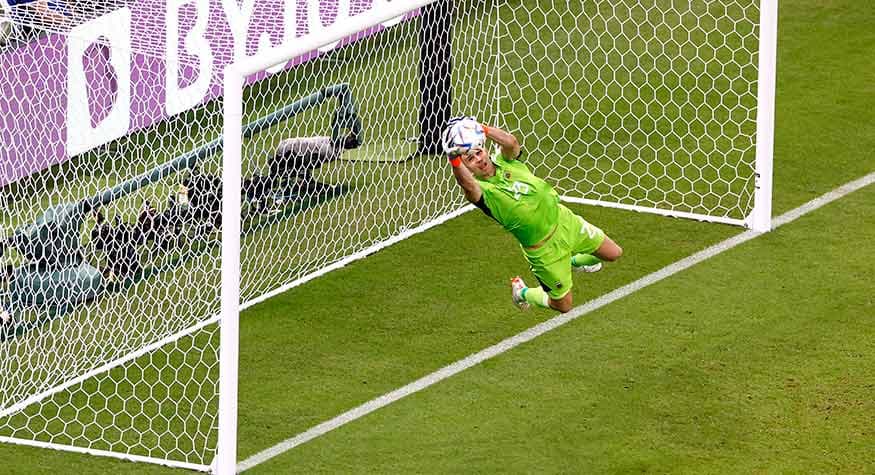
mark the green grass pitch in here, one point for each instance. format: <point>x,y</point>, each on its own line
<point>760,360</point>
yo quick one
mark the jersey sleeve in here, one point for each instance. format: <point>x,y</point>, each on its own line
<point>504,159</point>
<point>500,159</point>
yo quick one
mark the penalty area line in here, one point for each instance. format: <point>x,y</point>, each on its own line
<point>544,327</point>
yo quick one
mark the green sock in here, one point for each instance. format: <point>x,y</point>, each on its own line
<point>580,260</point>
<point>536,296</point>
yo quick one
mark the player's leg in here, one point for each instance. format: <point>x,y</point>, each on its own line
<point>563,304</point>
<point>592,247</point>
<point>609,250</point>
<point>554,290</point>
<point>585,263</point>
<point>524,296</point>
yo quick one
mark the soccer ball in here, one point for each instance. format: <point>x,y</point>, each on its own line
<point>462,136</point>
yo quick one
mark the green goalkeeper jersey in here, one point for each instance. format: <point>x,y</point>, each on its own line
<point>522,203</point>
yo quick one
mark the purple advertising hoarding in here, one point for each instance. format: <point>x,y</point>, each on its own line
<point>64,94</point>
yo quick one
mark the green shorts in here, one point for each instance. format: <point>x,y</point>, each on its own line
<point>551,263</point>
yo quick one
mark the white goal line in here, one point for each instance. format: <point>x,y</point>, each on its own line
<point>544,327</point>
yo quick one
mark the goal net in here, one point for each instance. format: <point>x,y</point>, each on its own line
<point>650,106</point>
<point>109,239</point>
<point>119,173</point>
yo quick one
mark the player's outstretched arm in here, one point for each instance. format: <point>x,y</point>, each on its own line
<point>510,146</point>
<point>466,180</point>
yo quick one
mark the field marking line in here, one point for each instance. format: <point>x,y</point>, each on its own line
<point>544,327</point>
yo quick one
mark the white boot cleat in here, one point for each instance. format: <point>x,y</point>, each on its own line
<point>516,292</point>
<point>588,269</point>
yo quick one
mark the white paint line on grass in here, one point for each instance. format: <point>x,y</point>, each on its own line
<point>544,327</point>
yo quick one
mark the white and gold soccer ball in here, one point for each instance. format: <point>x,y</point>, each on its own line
<point>463,135</point>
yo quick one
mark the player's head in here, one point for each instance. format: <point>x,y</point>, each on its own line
<point>477,160</point>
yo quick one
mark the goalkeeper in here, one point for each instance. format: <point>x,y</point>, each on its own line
<point>554,240</point>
